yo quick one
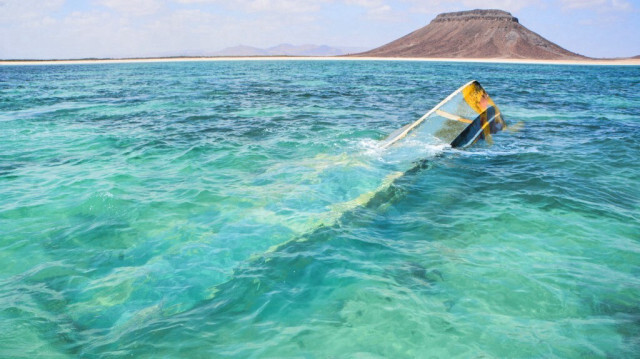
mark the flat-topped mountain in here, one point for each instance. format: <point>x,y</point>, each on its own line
<point>474,34</point>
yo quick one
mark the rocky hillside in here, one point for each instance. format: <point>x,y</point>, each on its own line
<point>474,34</point>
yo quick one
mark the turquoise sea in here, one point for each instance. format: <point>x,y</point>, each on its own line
<point>244,209</point>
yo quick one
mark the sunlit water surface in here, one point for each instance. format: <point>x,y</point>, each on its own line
<point>244,209</point>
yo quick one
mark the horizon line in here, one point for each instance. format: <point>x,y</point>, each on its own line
<point>621,61</point>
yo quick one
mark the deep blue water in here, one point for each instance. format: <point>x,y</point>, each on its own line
<point>244,209</point>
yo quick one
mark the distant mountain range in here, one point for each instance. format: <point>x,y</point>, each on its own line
<point>288,50</point>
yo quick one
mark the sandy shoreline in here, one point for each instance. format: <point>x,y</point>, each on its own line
<point>616,62</point>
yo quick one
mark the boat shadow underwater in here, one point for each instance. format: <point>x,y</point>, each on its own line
<point>292,275</point>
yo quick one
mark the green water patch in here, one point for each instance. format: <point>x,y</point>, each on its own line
<point>228,209</point>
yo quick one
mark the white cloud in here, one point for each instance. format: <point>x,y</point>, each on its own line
<point>383,9</point>
<point>195,1</point>
<point>365,3</point>
<point>577,4</point>
<point>27,10</point>
<point>377,10</point>
<point>99,32</point>
<point>289,6</point>
<point>509,5</point>
<point>271,6</point>
<point>282,6</point>
<point>600,5</point>
<point>133,7</point>
<point>438,6</point>
<point>120,28</point>
<point>383,13</point>
<point>599,21</point>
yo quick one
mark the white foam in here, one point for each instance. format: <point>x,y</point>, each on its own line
<point>407,150</point>
<point>495,151</point>
<point>412,149</point>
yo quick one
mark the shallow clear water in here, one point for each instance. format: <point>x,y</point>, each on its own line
<point>243,209</point>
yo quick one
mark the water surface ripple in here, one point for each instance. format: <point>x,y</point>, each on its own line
<point>211,210</point>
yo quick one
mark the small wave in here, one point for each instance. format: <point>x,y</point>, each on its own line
<point>494,151</point>
<point>406,151</point>
<point>369,147</point>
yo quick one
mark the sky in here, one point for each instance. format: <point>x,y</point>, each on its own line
<point>66,29</point>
